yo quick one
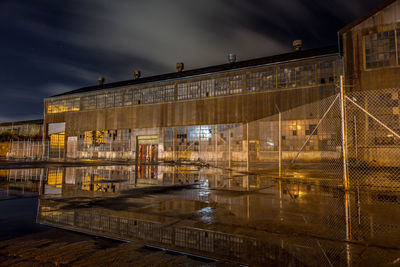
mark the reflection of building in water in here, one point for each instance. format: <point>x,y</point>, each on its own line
<point>284,221</point>
<point>24,180</point>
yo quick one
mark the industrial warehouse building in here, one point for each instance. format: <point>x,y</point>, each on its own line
<point>189,112</point>
<point>232,112</point>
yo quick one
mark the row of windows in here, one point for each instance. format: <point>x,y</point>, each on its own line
<point>102,101</point>
<point>381,50</point>
<point>66,105</point>
<point>282,77</point>
<point>105,140</point>
<point>149,95</point>
<point>272,78</point>
<point>204,137</point>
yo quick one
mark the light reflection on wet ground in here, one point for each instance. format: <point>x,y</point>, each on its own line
<point>251,219</point>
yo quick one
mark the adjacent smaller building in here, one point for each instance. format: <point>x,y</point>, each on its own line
<point>28,129</point>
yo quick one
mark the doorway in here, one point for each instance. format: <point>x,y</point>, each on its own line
<point>147,148</point>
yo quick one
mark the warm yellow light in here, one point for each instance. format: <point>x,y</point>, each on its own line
<point>389,135</point>
<point>298,127</point>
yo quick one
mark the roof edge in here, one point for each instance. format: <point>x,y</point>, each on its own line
<point>366,16</point>
<point>324,51</point>
<point>38,121</point>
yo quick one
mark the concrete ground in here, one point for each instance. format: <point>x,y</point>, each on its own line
<point>250,219</point>
<point>23,242</point>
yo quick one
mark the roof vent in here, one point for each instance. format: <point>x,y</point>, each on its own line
<point>297,45</point>
<point>100,80</point>
<point>231,58</point>
<point>180,66</point>
<point>136,74</point>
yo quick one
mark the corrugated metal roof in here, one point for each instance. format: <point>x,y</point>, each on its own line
<point>224,67</point>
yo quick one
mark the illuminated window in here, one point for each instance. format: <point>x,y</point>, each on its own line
<point>252,81</point>
<point>221,86</point>
<point>194,90</point>
<point>169,92</point>
<point>159,94</point>
<point>105,140</point>
<point>182,91</point>
<point>128,97</point>
<point>58,106</point>
<point>55,177</point>
<point>168,138</point>
<point>268,79</point>
<point>235,83</point>
<point>305,75</point>
<point>137,97</point>
<point>206,132</point>
<point>85,102</point>
<point>325,72</point>
<point>207,88</point>
<point>181,136</point>
<point>109,100</point>
<point>268,135</point>
<point>286,77</point>
<point>118,99</point>
<point>57,140</point>
<point>236,137</point>
<point>91,102</point>
<point>380,50</point>
<point>56,149</point>
<point>193,134</point>
<point>101,101</point>
<point>148,95</point>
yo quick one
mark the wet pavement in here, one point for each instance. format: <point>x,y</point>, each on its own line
<point>215,213</point>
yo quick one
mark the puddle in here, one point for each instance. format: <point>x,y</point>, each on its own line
<point>251,219</point>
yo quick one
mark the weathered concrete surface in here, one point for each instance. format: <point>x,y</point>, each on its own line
<point>233,216</point>
<point>57,247</point>
<point>23,242</point>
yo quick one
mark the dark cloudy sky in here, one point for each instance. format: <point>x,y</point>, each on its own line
<point>51,46</point>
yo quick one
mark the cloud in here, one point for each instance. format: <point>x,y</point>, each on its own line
<point>57,88</point>
<point>62,45</point>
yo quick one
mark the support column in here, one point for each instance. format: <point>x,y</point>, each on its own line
<point>216,145</point>
<point>200,142</point>
<point>280,144</point>
<point>174,144</point>
<point>229,146</point>
<point>247,137</point>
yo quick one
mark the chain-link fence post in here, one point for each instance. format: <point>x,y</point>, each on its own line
<point>229,146</point>
<point>344,139</point>
<point>280,143</point>
<point>247,138</point>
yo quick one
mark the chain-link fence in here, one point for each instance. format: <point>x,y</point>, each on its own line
<point>35,150</point>
<point>373,134</point>
<point>301,142</point>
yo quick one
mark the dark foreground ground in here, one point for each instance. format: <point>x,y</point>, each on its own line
<point>23,242</point>
<point>250,218</point>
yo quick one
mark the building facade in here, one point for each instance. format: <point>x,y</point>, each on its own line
<point>231,111</point>
<point>28,129</point>
<point>371,56</point>
<point>190,114</point>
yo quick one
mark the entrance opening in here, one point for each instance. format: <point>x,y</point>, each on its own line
<point>57,145</point>
<point>147,149</point>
